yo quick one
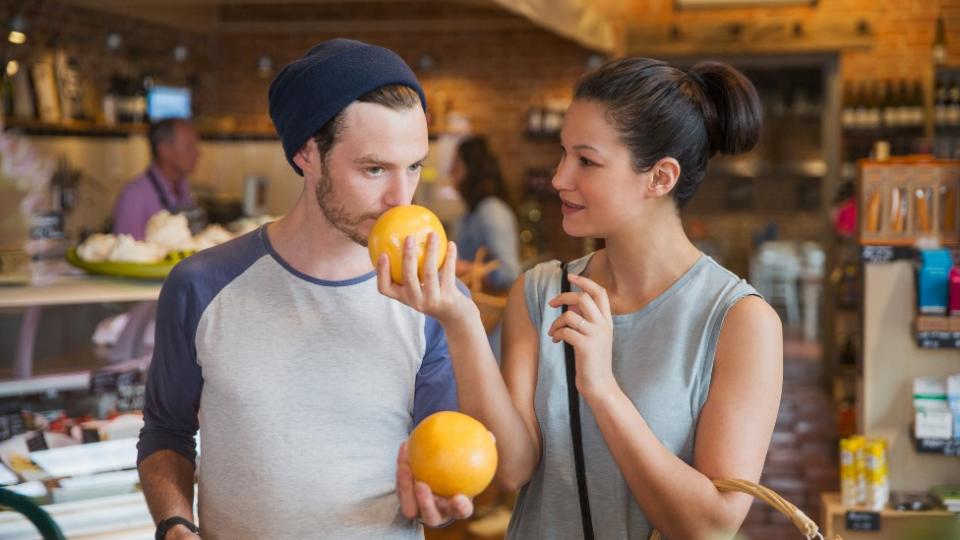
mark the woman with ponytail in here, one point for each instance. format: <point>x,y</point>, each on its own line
<point>676,362</point>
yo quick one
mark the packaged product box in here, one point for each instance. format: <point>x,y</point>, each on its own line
<point>933,273</point>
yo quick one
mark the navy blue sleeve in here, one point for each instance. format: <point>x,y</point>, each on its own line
<point>174,381</point>
<point>436,388</point>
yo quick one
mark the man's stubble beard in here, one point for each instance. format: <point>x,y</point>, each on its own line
<point>336,214</point>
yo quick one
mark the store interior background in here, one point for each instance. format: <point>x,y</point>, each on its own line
<point>484,62</point>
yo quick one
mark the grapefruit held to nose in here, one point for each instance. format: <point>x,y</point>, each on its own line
<point>394,226</point>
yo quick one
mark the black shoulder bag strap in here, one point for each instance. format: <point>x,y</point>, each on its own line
<point>573,398</point>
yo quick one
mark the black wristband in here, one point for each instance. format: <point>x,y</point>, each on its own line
<point>172,522</point>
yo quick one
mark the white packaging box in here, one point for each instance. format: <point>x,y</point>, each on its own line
<point>933,423</point>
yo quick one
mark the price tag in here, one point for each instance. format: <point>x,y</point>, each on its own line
<point>863,521</point>
<point>103,382</point>
<point>877,254</point>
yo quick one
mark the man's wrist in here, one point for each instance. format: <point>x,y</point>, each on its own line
<point>180,532</point>
<point>173,527</point>
<point>446,523</point>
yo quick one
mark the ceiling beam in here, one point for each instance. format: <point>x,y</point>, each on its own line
<point>573,19</point>
<point>360,26</point>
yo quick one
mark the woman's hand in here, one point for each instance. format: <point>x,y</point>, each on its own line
<point>418,502</point>
<point>438,295</point>
<point>587,325</point>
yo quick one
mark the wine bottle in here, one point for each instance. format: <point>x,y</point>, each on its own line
<point>940,104</point>
<point>953,104</point>
<point>860,106</point>
<point>874,107</point>
<point>889,107</point>
<point>848,114</point>
<point>918,114</point>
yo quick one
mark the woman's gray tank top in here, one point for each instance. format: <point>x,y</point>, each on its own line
<point>663,360</point>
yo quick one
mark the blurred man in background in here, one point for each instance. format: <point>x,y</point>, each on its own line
<point>164,185</point>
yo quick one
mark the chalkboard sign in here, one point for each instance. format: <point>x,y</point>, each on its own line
<point>107,381</point>
<point>884,254</point>
<point>863,521</point>
<point>130,397</point>
<point>37,442</point>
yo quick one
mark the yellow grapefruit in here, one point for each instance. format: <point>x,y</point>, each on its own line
<point>395,225</point>
<point>453,453</point>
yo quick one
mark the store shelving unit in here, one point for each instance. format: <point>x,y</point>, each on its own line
<point>891,360</point>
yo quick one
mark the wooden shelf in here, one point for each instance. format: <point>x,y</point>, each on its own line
<point>894,524</point>
<point>74,127</point>
<point>82,128</point>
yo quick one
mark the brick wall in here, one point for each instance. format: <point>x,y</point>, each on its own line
<point>490,76</point>
<point>492,72</point>
<point>902,30</point>
<point>146,48</point>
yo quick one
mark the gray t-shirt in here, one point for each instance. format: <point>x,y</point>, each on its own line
<point>302,390</point>
<point>662,359</point>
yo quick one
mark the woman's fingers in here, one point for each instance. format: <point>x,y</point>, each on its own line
<point>596,292</point>
<point>569,320</point>
<point>581,303</point>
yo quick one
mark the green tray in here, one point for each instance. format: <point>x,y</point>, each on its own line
<point>158,270</point>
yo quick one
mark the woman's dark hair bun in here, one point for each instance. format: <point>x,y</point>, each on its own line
<point>733,113</point>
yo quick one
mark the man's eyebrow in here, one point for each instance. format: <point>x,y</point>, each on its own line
<point>373,159</point>
<point>370,159</point>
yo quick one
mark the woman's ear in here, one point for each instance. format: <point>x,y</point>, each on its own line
<point>664,176</point>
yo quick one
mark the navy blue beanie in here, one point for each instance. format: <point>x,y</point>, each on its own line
<point>310,91</point>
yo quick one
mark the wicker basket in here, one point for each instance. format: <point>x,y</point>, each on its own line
<point>491,306</point>
<point>799,519</point>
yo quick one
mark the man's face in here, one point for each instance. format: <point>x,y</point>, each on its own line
<point>183,150</point>
<point>373,166</point>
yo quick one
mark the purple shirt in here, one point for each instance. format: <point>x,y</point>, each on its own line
<point>139,200</point>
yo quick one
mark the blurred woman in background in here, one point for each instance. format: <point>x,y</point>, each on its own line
<point>489,223</point>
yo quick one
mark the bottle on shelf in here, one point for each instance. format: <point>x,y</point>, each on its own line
<point>889,107</point>
<point>953,104</point>
<point>875,107</point>
<point>861,106</point>
<point>946,114</point>
<point>904,99</point>
<point>911,118</point>
<point>940,104</point>
<point>848,115</point>
<point>915,112</point>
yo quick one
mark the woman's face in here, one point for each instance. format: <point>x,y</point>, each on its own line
<point>600,193</point>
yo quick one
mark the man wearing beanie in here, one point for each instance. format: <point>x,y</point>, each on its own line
<point>302,378</point>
